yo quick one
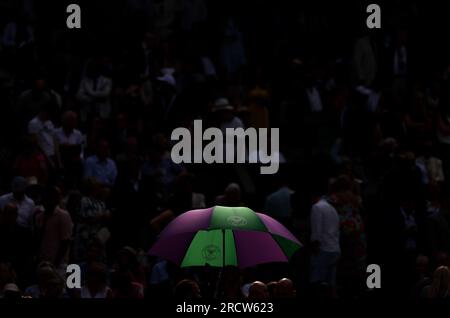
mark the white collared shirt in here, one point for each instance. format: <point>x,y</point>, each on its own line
<point>325,225</point>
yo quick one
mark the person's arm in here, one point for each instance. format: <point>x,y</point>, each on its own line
<point>82,94</point>
<point>102,91</point>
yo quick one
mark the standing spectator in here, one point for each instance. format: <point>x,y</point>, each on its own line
<point>94,93</point>
<point>278,203</point>
<point>101,166</point>
<point>42,127</point>
<point>54,226</point>
<point>325,235</point>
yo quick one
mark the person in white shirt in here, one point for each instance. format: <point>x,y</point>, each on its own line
<point>42,127</point>
<point>25,206</point>
<point>94,93</point>
<point>325,235</point>
<point>67,134</point>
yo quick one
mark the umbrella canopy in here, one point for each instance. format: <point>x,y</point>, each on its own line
<point>222,236</point>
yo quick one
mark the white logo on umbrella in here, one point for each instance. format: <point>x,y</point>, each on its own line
<point>236,220</point>
<point>210,252</point>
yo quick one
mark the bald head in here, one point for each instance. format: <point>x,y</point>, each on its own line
<point>285,289</point>
<point>258,291</point>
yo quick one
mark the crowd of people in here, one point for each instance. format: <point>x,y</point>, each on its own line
<point>87,177</point>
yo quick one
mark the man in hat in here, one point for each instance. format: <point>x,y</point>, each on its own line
<point>17,196</point>
<point>225,115</point>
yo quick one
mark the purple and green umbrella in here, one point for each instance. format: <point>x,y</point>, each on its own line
<point>222,236</point>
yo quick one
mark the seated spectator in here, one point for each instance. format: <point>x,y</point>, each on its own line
<point>11,292</point>
<point>31,163</point>
<point>184,197</point>
<point>25,206</point>
<point>123,286</point>
<point>422,275</point>
<point>101,166</point>
<point>430,165</point>
<point>231,196</point>
<point>92,219</point>
<point>439,287</point>
<point>187,289</point>
<point>284,289</point>
<point>160,168</point>
<point>49,284</point>
<point>96,283</point>
<point>258,292</point>
<point>127,261</point>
